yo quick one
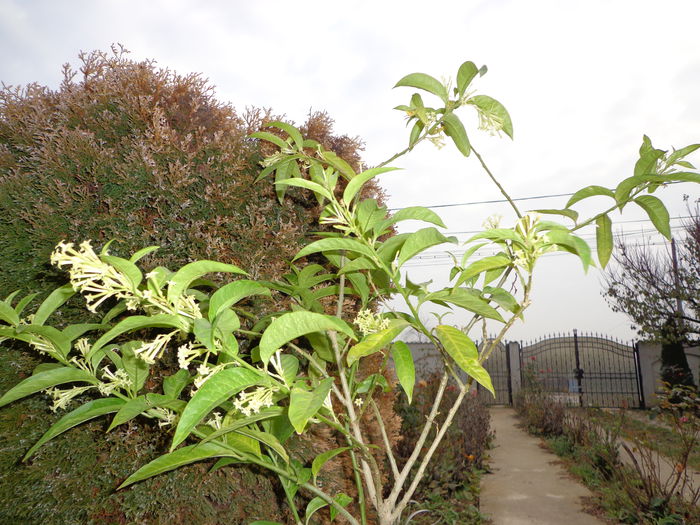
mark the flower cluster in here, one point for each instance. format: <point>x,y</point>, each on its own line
<point>151,351</point>
<point>369,323</point>
<point>90,275</point>
<point>61,398</point>
<point>112,381</point>
<point>249,403</point>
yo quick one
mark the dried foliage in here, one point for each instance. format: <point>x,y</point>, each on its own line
<point>644,285</point>
<point>464,448</point>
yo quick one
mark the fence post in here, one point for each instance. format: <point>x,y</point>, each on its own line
<point>578,371</point>
<point>514,376</point>
<point>640,379</point>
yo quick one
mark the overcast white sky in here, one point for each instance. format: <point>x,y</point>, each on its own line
<point>583,81</point>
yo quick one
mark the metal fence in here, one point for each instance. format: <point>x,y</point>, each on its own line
<point>580,370</point>
<point>585,370</point>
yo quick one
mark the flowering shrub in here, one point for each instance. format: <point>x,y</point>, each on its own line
<point>248,381</point>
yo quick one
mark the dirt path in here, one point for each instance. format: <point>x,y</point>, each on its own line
<point>526,487</point>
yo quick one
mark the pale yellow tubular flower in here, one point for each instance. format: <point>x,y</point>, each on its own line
<point>187,353</point>
<point>166,417</point>
<point>215,421</point>
<point>61,398</point>
<point>149,352</point>
<point>205,372</point>
<point>112,381</point>
<point>369,323</point>
<point>249,403</point>
<point>43,346</point>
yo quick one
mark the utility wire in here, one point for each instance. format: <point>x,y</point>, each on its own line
<point>488,202</point>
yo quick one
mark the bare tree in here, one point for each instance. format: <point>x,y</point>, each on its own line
<point>653,291</point>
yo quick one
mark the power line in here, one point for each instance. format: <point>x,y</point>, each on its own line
<point>488,202</point>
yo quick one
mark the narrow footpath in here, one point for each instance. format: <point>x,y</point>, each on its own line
<point>526,487</point>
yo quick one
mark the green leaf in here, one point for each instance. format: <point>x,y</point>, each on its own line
<point>307,184</point>
<point>482,265</point>
<point>466,73</point>
<point>370,382</point>
<point>405,368</point>
<point>265,413</point>
<point>89,410</point>
<point>420,241</point>
<point>343,500</point>
<point>136,322</point>
<point>127,268</point>
<point>8,314</point>
<point>290,367</point>
<point>54,301</point>
<point>266,439</point>
<point>136,368</point>
<point>657,212</point>
<point>291,131</point>
<point>323,458</point>
<point>463,298</point>
<point>22,304</point>
<point>339,164</point>
<point>355,185</point>
<point>194,270</point>
<point>58,340</point>
<point>217,389</point>
<point>291,325</point>
<point>572,244</point>
<point>571,214</point>
<point>73,331</point>
<point>503,298</point>
<point>129,410</point>
<point>604,239</point>
<point>178,458</point>
<point>375,342</point>
<point>44,380</point>
<point>269,137</point>
<point>174,384</point>
<point>335,244</point>
<point>499,235</point>
<point>426,83</point>
<point>413,213</point>
<point>647,163</point>
<point>142,253</point>
<point>314,505</point>
<point>415,133</point>
<point>464,352</point>
<point>495,110</point>
<point>589,191</point>
<point>304,404</point>
<point>455,130</point>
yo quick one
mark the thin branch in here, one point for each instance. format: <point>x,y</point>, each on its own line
<point>385,438</point>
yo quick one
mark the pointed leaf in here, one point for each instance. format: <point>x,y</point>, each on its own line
<point>8,314</point>
<point>291,131</point>
<point>89,410</point>
<point>265,413</point>
<point>307,184</point>
<point>604,239</point>
<point>314,505</point>
<point>426,83</point>
<point>291,325</point>
<point>334,244</point>
<point>465,75</point>
<point>129,410</point>
<point>375,342</point>
<point>404,366</point>
<point>194,270</point>
<point>464,352</point>
<point>414,213</point>
<point>269,137</point>
<point>54,301</point>
<point>420,241</point>
<point>589,191</point>
<point>178,458</point>
<point>657,212</point>
<point>174,384</point>
<point>571,214</point>
<point>463,298</point>
<point>495,111</point>
<point>482,265</point>
<point>355,185</point>
<point>140,254</point>
<point>304,404</point>
<point>136,368</point>
<point>266,439</point>
<point>455,130</point>
<point>44,380</point>
<point>323,458</point>
<point>217,389</point>
<point>136,322</point>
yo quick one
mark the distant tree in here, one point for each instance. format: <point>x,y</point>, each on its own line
<point>644,285</point>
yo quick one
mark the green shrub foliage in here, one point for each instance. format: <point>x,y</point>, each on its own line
<point>127,151</point>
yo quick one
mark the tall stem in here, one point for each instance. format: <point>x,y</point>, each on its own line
<point>498,184</point>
